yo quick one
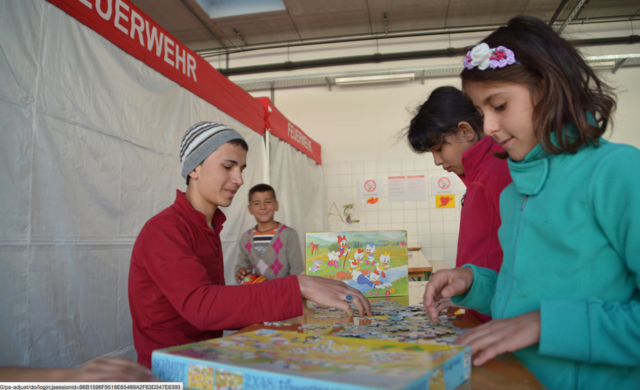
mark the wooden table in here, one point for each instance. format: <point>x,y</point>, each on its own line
<point>505,372</point>
<point>420,272</point>
<point>419,266</point>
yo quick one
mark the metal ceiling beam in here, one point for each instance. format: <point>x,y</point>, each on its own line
<point>631,39</point>
<point>402,34</point>
<point>375,58</point>
<point>239,36</point>
<point>204,23</point>
<point>556,14</point>
<point>619,64</point>
<point>573,14</point>
<point>450,70</point>
<point>350,38</point>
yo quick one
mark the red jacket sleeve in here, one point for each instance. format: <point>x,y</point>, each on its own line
<point>478,242</point>
<point>183,279</point>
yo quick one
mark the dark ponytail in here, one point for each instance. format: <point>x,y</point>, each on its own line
<point>439,116</point>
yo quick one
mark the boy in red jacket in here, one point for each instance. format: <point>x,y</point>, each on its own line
<point>177,292</point>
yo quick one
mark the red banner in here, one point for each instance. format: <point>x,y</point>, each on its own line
<point>122,23</point>
<point>282,128</point>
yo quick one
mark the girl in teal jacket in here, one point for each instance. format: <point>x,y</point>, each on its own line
<point>567,298</point>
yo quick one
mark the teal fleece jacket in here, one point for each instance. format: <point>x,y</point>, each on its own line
<point>571,240</point>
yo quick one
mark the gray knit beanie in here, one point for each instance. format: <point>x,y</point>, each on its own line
<point>200,141</point>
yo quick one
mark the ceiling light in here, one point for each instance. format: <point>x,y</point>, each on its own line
<point>227,8</point>
<point>375,79</point>
<point>602,64</point>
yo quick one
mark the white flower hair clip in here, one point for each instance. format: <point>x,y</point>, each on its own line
<point>485,57</point>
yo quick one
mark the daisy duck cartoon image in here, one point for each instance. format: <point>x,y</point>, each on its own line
<point>333,259</point>
<point>344,248</point>
<point>379,272</point>
<point>370,249</point>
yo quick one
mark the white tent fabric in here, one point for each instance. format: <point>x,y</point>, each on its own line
<point>88,154</point>
<point>299,183</point>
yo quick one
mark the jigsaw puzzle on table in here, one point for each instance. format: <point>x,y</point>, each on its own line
<point>270,359</point>
<point>376,263</point>
<point>390,321</point>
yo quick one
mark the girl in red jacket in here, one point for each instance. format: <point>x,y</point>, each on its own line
<point>450,127</point>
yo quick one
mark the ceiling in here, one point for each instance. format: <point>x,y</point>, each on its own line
<point>321,19</point>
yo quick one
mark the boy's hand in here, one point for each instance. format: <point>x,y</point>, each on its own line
<point>445,284</point>
<point>333,293</point>
<point>242,272</point>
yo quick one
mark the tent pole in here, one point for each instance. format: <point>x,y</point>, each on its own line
<point>267,162</point>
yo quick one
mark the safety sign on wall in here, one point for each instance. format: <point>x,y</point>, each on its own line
<point>370,187</point>
<point>444,188</point>
<point>442,185</point>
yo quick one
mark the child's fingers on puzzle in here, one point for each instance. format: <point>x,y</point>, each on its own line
<point>344,306</point>
<point>489,346</point>
<point>504,335</point>
<point>362,304</point>
<point>432,293</point>
<point>479,332</point>
<point>443,304</point>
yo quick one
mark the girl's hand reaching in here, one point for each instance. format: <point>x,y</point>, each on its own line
<point>445,284</point>
<point>500,336</point>
<point>448,305</point>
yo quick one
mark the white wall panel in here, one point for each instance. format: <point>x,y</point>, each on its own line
<point>300,186</point>
<point>19,63</point>
<point>89,154</point>
<point>15,171</point>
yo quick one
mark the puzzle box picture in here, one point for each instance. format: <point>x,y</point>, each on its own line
<point>271,359</point>
<point>374,262</point>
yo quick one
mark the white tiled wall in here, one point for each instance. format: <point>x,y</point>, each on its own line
<point>435,229</point>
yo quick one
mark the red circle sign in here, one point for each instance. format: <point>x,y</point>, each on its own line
<point>444,183</point>
<point>369,185</point>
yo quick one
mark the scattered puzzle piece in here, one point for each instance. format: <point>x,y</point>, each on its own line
<point>391,321</point>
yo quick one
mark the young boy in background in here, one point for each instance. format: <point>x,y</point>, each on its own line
<point>270,248</point>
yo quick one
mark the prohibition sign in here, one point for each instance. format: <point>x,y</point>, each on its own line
<point>370,185</point>
<point>444,183</point>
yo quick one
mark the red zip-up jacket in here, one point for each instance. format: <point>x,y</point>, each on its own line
<point>177,292</point>
<point>485,176</point>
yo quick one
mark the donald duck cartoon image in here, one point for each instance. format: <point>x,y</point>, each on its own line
<point>379,272</point>
<point>354,268</point>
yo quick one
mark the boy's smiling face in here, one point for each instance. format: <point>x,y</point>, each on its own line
<point>263,206</point>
